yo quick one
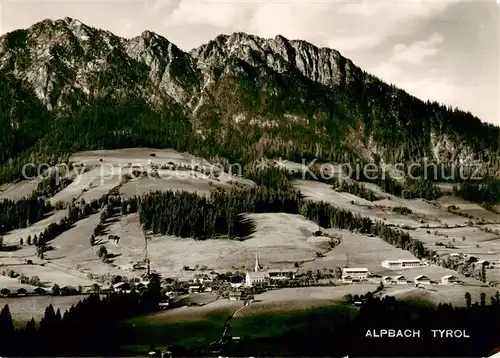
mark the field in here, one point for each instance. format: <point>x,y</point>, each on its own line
<point>19,190</point>
<point>187,326</point>
<point>318,191</point>
<point>274,311</point>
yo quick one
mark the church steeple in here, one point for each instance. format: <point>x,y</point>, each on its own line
<point>257,264</point>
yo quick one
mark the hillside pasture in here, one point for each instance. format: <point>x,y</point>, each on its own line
<point>19,190</point>
<point>477,242</point>
<point>12,237</point>
<point>90,185</point>
<point>13,284</point>
<point>318,191</point>
<point>172,180</point>
<point>186,326</point>
<point>469,208</point>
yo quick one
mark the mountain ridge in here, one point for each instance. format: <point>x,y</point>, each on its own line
<point>270,96</point>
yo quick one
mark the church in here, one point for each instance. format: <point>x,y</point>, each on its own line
<point>257,276</point>
<point>264,277</point>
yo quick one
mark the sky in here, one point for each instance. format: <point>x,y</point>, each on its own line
<point>442,50</point>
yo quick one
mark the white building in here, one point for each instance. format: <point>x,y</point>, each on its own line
<point>388,280</point>
<point>282,274</point>
<point>122,287</point>
<point>402,264</point>
<point>400,280</point>
<point>357,273</point>
<point>449,280</point>
<point>253,278</point>
<point>422,280</point>
<point>235,296</point>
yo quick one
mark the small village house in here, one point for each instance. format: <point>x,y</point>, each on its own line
<point>388,280</point>
<point>195,289</point>
<point>164,305</point>
<point>422,280</point>
<point>347,279</point>
<point>449,280</point>
<point>356,273</point>
<point>400,280</point>
<point>235,296</point>
<point>122,287</point>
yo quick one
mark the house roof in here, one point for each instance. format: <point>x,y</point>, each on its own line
<point>400,277</point>
<point>449,276</point>
<point>403,260</point>
<point>355,269</point>
<point>421,277</point>
<point>283,271</point>
<point>120,284</point>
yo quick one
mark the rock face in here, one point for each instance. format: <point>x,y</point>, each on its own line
<point>276,89</point>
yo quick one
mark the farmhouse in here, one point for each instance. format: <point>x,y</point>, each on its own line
<point>374,278</point>
<point>401,264</point>
<point>421,279</point>
<point>164,305</point>
<point>388,280</point>
<point>359,273</point>
<point>400,280</point>
<point>347,279</point>
<point>195,289</point>
<point>122,287</point>
<point>235,296</point>
<point>449,279</point>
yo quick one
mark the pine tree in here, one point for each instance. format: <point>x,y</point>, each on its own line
<point>6,324</point>
<point>56,291</point>
<point>483,273</point>
<point>6,331</point>
<point>468,299</point>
